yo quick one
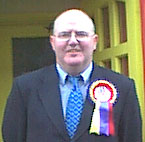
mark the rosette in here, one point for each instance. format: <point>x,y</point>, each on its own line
<point>104,95</point>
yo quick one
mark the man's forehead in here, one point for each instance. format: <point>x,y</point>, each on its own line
<point>73,18</point>
<point>75,14</point>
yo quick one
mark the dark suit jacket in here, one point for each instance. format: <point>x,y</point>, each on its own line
<point>34,110</point>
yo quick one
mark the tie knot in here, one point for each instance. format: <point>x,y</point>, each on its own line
<point>75,80</point>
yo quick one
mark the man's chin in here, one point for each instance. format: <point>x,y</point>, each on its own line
<point>73,64</point>
<point>74,61</point>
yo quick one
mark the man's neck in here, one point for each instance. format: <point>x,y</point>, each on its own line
<point>75,70</point>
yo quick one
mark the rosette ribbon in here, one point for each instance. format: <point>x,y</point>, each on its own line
<point>103,94</point>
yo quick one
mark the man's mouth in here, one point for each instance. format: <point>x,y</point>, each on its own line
<point>74,50</point>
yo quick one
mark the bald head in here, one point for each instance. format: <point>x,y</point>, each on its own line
<point>73,16</point>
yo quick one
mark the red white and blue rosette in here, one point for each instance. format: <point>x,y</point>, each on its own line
<point>104,95</point>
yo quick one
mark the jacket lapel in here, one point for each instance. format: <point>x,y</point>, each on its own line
<point>50,96</point>
<point>89,106</point>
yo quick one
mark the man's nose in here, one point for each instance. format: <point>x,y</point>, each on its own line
<point>73,40</point>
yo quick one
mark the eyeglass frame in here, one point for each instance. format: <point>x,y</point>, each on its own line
<point>86,35</point>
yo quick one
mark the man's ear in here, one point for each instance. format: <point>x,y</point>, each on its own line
<point>95,41</point>
<point>51,39</point>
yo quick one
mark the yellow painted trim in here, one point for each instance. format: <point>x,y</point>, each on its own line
<point>5,73</point>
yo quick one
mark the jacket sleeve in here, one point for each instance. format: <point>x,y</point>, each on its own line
<point>14,122</point>
<point>130,128</point>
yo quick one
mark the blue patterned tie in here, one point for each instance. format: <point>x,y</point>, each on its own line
<point>74,107</point>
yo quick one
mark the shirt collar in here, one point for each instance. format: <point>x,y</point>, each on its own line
<point>62,74</point>
<point>85,74</point>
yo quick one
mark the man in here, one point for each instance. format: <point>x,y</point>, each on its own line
<point>45,106</point>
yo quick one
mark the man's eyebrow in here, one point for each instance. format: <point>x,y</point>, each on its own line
<point>64,32</point>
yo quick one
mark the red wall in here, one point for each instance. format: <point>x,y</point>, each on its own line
<point>142,4</point>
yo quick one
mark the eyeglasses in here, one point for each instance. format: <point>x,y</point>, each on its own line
<point>79,35</point>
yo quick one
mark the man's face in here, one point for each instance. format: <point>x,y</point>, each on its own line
<point>74,41</point>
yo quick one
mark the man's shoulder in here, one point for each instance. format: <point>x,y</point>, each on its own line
<point>37,74</point>
<point>113,75</point>
<point>121,82</point>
